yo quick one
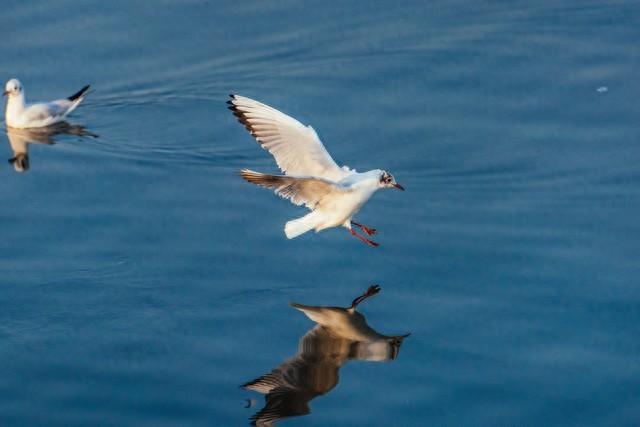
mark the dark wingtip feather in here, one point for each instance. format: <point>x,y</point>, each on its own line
<point>241,116</point>
<point>79,93</point>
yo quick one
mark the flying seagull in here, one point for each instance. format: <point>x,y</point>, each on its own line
<point>20,115</point>
<point>311,177</point>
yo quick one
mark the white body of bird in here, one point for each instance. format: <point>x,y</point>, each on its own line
<point>338,207</point>
<point>21,115</point>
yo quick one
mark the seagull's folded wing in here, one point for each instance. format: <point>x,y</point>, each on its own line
<point>296,148</point>
<point>44,114</point>
<point>307,191</point>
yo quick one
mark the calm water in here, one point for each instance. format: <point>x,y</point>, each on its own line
<point>143,282</point>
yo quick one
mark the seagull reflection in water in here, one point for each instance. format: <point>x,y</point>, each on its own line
<point>19,140</point>
<point>342,334</point>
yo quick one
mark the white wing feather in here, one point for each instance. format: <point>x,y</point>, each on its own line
<point>296,148</point>
<point>45,114</point>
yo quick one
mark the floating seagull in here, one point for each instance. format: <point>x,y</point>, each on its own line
<point>333,194</point>
<point>341,335</point>
<point>20,115</point>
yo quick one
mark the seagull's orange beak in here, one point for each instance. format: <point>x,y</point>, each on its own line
<point>398,186</point>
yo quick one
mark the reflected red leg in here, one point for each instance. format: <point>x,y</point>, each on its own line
<point>373,289</point>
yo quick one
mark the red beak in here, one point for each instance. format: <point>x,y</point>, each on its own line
<point>398,186</point>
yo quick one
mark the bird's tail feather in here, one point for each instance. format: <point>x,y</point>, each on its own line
<point>299,226</point>
<point>77,98</point>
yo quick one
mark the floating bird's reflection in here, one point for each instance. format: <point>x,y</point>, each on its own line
<point>19,139</point>
<point>342,334</point>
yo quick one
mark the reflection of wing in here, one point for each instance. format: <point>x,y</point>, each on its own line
<point>296,148</point>
<point>287,392</point>
<point>307,191</point>
<point>265,383</point>
<point>282,403</point>
<point>310,373</point>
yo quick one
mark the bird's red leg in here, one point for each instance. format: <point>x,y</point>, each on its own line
<point>364,239</point>
<point>369,230</point>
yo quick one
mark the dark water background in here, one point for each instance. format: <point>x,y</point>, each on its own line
<point>143,281</point>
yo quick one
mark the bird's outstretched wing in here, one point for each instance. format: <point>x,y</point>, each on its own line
<point>296,148</point>
<point>282,403</point>
<point>307,191</point>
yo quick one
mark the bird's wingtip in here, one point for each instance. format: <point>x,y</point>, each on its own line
<point>231,102</point>
<point>79,94</point>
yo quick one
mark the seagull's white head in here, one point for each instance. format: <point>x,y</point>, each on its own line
<point>387,180</point>
<point>13,88</point>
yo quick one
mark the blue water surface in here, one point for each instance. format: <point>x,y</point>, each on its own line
<point>143,281</point>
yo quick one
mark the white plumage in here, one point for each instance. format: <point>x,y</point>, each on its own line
<point>21,115</point>
<point>312,178</point>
